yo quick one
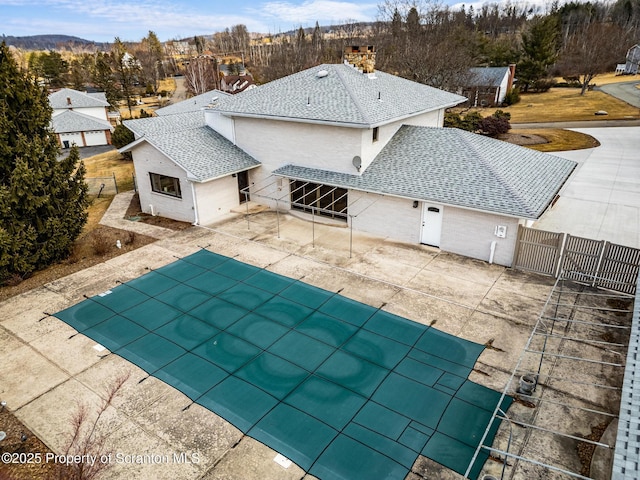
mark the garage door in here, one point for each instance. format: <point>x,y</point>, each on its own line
<point>70,139</point>
<point>95,138</point>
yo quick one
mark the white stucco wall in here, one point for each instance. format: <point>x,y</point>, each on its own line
<point>216,198</point>
<point>503,89</point>
<point>277,143</point>
<point>147,159</point>
<point>470,233</point>
<point>385,216</point>
<point>221,124</point>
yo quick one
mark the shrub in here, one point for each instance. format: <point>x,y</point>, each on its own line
<point>502,114</point>
<point>543,84</point>
<point>452,120</point>
<point>129,237</point>
<point>512,97</point>
<point>471,122</point>
<point>121,136</point>
<point>100,242</point>
<point>494,126</point>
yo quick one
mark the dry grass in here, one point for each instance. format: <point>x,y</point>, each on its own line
<point>566,104</point>
<point>557,139</point>
<point>611,77</point>
<point>149,104</point>
<point>110,163</point>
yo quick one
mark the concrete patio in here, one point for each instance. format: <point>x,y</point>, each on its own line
<point>46,368</point>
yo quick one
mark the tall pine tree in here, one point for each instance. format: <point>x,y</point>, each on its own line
<point>43,201</point>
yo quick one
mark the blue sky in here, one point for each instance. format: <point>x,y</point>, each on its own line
<point>131,20</point>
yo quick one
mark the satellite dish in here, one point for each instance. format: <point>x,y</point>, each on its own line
<point>357,162</point>
<point>322,73</point>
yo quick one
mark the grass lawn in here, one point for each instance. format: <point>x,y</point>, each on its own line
<point>566,104</point>
<point>149,104</point>
<point>110,163</point>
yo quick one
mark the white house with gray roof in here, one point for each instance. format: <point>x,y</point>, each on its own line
<point>366,149</point>
<point>488,86</point>
<point>80,118</point>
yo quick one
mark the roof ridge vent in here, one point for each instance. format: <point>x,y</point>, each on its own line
<point>322,73</point>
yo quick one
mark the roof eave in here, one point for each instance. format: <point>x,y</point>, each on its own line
<point>419,199</point>
<point>234,172</point>
<point>292,119</point>
<point>336,123</point>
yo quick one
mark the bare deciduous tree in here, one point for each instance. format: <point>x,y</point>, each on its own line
<point>591,51</point>
<point>87,440</point>
<point>200,75</point>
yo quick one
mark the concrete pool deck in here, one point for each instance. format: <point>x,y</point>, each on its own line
<point>45,370</point>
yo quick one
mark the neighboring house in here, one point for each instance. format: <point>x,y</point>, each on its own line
<point>365,150</point>
<point>487,86</point>
<point>236,83</point>
<point>80,119</point>
<point>633,60</point>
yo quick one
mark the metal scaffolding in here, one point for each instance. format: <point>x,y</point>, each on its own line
<point>273,190</point>
<point>572,365</point>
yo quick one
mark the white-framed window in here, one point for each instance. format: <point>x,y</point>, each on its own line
<point>375,134</point>
<point>165,185</point>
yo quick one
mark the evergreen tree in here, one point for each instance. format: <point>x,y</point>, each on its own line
<point>540,50</point>
<point>43,201</point>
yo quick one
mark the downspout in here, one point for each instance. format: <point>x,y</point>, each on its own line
<point>493,251</point>
<point>195,205</point>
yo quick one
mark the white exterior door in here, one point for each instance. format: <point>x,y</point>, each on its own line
<point>431,224</point>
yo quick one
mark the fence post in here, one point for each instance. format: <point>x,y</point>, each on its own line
<point>596,276</point>
<point>115,183</point>
<point>563,244</point>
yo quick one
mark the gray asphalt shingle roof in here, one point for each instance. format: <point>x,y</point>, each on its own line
<point>72,121</point>
<point>488,76</point>
<point>58,100</point>
<point>343,96</point>
<point>454,167</point>
<point>193,104</point>
<point>186,139</point>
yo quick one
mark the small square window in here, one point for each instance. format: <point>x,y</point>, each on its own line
<point>375,134</point>
<point>165,185</point>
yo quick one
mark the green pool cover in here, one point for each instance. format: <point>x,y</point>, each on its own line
<point>345,390</point>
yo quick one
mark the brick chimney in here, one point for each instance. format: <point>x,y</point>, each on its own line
<point>361,57</point>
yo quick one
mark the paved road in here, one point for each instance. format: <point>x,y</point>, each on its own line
<point>625,91</point>
<point>601,200</point>
<point>86,152</point>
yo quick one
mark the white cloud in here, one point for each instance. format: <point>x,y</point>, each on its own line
<point>323,11</point>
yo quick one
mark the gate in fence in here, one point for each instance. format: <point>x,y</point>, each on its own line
<point>597,262</point>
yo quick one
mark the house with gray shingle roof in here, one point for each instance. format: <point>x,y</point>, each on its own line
<point>488,86</point>
<point>80,118</point>
<point>364,150</point>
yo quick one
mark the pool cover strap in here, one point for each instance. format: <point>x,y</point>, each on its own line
<point>343,389</point>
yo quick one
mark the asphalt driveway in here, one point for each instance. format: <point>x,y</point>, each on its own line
<point>625,91</point>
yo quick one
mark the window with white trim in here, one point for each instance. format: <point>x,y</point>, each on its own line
<point>165,185</point>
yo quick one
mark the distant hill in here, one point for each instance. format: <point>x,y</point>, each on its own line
<point>51,42</point>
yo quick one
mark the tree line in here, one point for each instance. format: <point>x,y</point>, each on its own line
<point>416,39</point>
